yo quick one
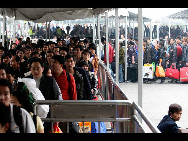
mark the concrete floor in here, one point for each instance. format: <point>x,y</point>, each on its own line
<point>157,98</point>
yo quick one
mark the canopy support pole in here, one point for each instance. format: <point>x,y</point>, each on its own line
<point>158,30</point>
<point>169,28</point>
<point>94,29</point>
<point>150,31</point>
<point>125,50</point>
<point>46,31</point>
<point>14,27</point>
<point>49,29</point>
<point>99,37</point>
<point>140,56</point>
<point>3,35</point>
<point>117,44</point>
<point>107,48</point>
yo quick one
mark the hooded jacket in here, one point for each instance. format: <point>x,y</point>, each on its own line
<point>168,125</point>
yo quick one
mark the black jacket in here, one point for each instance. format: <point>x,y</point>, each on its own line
<point>162,55</point>
<point>48,87</point>
<point>147,54</point>
<point>87,86</point>
<point>185,54</point>
<point>173,53</point>
<point>167,125</point>
<point>79,84</point>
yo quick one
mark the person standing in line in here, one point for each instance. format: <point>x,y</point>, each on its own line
<point>65,80</point>
<point>172,56</point>
<point>185,53</point>
<point>68,29</point>
<point>25,123</point>
<point>162,57</point>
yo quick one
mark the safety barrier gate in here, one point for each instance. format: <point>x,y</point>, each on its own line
<point>90,111</point>
<point>111,91</point>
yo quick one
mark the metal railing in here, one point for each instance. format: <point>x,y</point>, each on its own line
<point>111,91</point>
<point>89,111</point>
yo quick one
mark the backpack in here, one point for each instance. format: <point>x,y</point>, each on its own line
<point>18,117</point>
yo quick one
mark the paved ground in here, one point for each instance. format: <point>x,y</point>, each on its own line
<point>157,98</point>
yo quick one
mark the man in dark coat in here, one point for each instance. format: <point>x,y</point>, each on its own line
<point>168,123</point>
<point>46,84</point>
<point>172,55</point>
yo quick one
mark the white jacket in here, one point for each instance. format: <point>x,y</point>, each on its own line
<point>28,125</point>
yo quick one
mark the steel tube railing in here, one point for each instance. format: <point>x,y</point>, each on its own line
<point>117,93</point>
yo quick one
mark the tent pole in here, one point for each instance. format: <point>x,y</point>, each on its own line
<point>140,56</point>
<point>133,28</point>
<point>0,30</point>
<point>99,37</point>
<point>169,28</point>
<point>93,29</point>
<point>158,30</point>
<point>46,31</point>
<point>14,27</point>
<point>125,50</point>
<point>150,31</point>
<point>49,29</point>
<point>117,44</point>
<point>3,38</point>
<point>107,48</point>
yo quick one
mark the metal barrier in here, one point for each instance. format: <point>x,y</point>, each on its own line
<point>89,111</point>
<point>111,91</point>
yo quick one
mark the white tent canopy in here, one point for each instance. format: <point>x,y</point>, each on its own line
<point>49,14</point>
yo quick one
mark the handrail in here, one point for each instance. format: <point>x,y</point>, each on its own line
<point>135,106</point>
<point>85,102</point>
<point>144,117</point>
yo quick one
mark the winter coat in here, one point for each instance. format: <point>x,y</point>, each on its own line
<point>147,54</point>
<point>173,53</point>
<point>79,84</point>
<point>111,54</point>
<point>185,53</point>
<point>162,56</point>
<point>95,63</point>
<point>131,52</point>
<point>121,55</point>
<point>167,125</point>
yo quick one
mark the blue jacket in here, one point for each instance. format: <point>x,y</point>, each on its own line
<point>168,125</point>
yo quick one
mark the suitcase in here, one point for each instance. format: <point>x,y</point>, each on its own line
<point>184,74</point>
<point>172,73</point>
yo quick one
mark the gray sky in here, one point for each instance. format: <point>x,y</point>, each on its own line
<point>157,13</point>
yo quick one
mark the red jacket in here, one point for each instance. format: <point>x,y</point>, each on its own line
<point>111,54</point>
<point>65,86</point>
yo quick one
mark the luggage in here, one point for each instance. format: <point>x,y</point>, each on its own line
<point>184,74</point>
<point>148,71</point>
<point>56,128</point>
<point>160,71</point>
<point>172,73</point>
<point>95,127</point>
<point>87,127</point>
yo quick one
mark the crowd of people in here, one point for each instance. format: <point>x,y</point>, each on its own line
<point>165,52</point>
<point>70,68</point>
<point>66,70</point>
